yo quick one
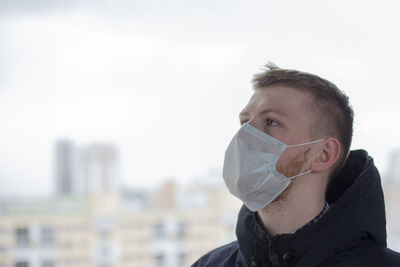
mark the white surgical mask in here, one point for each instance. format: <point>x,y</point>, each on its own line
<point>250,167</point>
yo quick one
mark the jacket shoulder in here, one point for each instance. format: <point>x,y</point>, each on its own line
<point>226,255</point>
<point>369,253</point>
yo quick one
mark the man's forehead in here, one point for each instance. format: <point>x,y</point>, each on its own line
<point>279,99</point>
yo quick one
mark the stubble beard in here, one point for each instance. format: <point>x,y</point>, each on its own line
<point>293,166</point>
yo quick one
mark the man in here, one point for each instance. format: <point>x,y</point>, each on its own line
<point>308,201</point>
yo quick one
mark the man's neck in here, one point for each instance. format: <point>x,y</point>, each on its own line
<point>291,211</point>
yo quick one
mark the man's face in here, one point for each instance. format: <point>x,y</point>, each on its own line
<point>283,113</point>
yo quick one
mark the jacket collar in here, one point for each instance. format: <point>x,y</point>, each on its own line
<point>354,196</point>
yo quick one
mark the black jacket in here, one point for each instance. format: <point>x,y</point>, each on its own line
<point>351,233</point>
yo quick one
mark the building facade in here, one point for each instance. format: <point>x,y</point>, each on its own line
<point>109,229</point>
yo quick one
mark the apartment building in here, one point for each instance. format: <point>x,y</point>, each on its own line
<point>171,228</point>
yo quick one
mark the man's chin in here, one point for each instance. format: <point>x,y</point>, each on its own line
<point>284,196</point>
<point>293,167</point>
<point>280,201</point>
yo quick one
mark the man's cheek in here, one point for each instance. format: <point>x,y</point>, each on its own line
<point>291,165</point>
<point>285,164</point>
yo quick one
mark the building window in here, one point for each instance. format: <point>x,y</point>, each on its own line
<point>160,260</point>
<point>104,235</point>
<point>181,230</point>
<point>22,237</point>
<point>105,252</point>
<point>47,236</point>
<point>159,229</point>
<point>21,264</point>
<point>47,263</point>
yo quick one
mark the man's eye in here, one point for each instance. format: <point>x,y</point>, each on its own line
<point>272,123</point>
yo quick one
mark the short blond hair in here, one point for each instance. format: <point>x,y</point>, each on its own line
<point>333,112</point>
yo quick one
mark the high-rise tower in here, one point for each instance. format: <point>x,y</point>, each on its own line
<point>65,167</point>
<point>99,163</point>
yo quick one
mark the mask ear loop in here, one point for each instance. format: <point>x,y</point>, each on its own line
<point>300,174</point>
<point>303,144</point>
<point>307,143</point>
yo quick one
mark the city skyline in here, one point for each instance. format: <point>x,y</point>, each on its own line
<point>75,172</point>
<point>165,82</point>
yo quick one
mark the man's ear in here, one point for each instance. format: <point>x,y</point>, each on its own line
<point>327,156</point>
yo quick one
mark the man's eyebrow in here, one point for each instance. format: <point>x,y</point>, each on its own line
<point>269,110</point>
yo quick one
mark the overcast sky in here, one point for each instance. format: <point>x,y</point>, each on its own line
<point>165,80</point>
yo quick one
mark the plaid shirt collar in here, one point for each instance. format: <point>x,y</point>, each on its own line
<point>316,218</point>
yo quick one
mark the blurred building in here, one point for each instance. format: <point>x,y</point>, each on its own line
<point>393,175</point>
<point>65,167</point>
<point>93,168</point>
<point>99,168</point>
<point>169,227</point>
<point>391,188</point>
